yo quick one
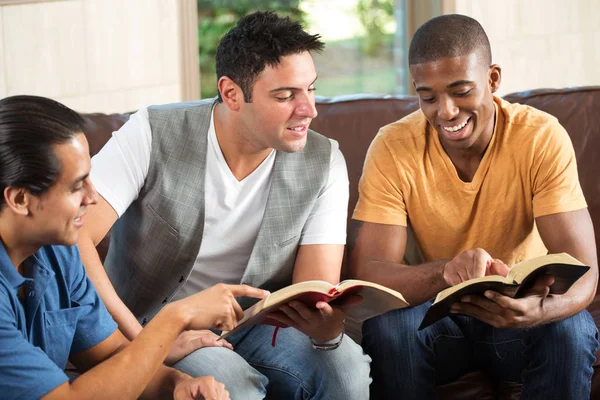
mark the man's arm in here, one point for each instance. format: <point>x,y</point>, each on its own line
<point>116,368</point>
<point>320,256</point>
<point>573,233</point>
<point>129,367</point>
<point>570,232</point>
<point>318,262</point>
<point>99,220</point>
<point>376,253</point>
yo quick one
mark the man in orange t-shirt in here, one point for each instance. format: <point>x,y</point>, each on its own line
<point>485,184</point>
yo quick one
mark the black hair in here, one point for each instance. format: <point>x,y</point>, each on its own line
<point>259,40</point>
<point>451,35</point>
<point>30,127</point>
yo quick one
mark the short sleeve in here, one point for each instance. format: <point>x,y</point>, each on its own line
<point>556,187</point>
<point>26,372</point>
<point>326,223</point>
<point>380,198</point>
<point>120,168</point>
<point>95,324</point>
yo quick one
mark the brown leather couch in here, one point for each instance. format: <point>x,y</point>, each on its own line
<point>354,120</point>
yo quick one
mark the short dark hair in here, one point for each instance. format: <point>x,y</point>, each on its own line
<point>30,126</point>
<point>259,40</point>
<point>451,35</point>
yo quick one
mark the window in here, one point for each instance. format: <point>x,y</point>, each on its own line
<point>365,41</point>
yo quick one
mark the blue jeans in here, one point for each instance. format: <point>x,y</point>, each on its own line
<point>290,370</point>
<point>553,361</point>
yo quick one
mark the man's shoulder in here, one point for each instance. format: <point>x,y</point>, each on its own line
<point>405,136</point>
<point>525,117</point>
<point>411,127</point>
<point>205,103</point>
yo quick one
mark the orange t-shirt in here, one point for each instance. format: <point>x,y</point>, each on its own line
<point>528,170</point>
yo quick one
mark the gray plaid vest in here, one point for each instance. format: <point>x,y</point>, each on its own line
<point>155,243</point>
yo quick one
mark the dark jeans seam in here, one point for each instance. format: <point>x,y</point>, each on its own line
<point>442,335</point>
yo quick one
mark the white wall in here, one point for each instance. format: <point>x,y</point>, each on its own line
<point>540,43</point>
<point>95,55</point>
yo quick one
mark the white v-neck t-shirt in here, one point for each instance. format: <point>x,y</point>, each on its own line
<point>233,209</point>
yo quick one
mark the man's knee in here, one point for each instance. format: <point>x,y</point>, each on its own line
<point>348,375</point>
<point>575,335</point>
<point>392,331</point>
<point>240,378</point>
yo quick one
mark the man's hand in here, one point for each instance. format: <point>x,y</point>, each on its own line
<point>205,387</point>
<point>470,264</point>
<point>216,306</point>
<point>189,341</point>
<point>322,323</point>
<point>505,312</point>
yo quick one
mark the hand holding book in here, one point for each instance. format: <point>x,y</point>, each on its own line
<point>552,273</point>
<point>376,300</point>
<point>321,322</point>
<point>472,264</point>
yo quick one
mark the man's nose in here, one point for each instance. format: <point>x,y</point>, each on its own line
<point>91,195</point>
<point>447,110</point>
<point>307,108</point>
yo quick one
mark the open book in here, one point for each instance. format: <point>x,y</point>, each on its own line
<point>376,300</point>
<point>522,276</point>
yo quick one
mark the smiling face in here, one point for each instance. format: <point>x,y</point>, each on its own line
<point>283,105</point>
<point>456,96</point>
<point>57,215</point>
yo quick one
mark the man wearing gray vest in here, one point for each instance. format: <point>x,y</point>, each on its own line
<point>234,190</point>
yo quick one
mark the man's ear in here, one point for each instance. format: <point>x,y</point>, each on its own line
<point>495,77</point>
<point>17,199</point>
<point>231,93</point>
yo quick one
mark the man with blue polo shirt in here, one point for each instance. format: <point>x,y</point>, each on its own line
<point>45,316</point>
<point>50,312</point>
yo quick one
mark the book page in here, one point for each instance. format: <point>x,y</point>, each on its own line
<point>452,289</point>
<point>349,283</point>
<point>521,270</point>
<point>309,290</point>
<point>377,300</point>
<point>295,289</point>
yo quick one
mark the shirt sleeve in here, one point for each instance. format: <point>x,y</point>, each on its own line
<point>556,187</point>
<point>26,372</point>
<point>380,197</point>
<point>326,223</point>
<point>121,166</point>
<point>95,324</point>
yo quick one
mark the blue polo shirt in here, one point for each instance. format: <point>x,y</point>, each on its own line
<point>60,314</point>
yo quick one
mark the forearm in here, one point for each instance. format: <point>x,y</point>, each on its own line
<point>128,324</point>
<point>417,283</point>
<point>318,262</point>
<point>137,367</point>
<point>573,233</point>
<point>163,383</point>
<point>579,296</point>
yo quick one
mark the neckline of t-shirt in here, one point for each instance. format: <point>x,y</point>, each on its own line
<point>213,143</point>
